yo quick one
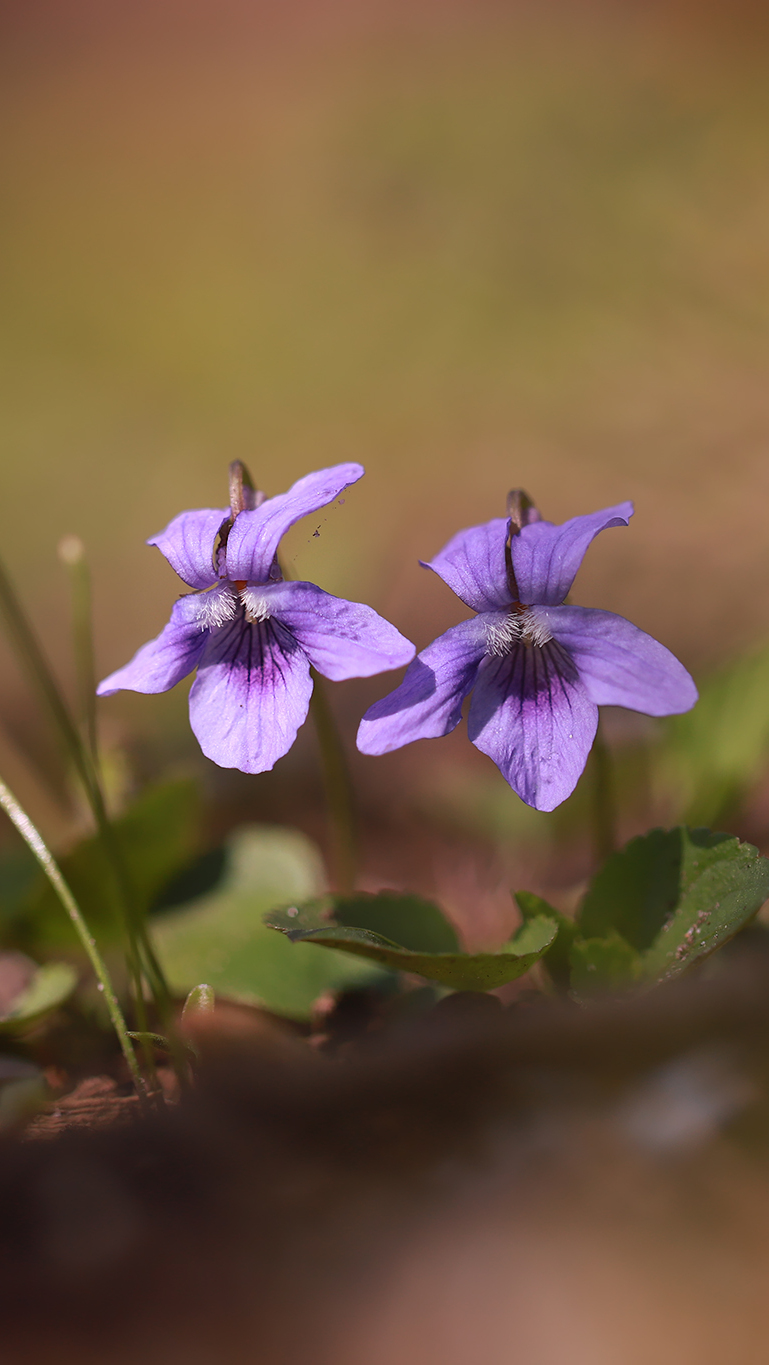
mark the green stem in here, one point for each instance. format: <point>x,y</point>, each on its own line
<point>72,555</point>
<point>339,791</point>
<point>50,867</point>
<point>604,804</point>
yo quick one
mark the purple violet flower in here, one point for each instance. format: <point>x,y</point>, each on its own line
<point>252,636</point>
<point>538,669</point>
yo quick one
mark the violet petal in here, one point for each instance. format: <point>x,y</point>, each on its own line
<point>546,557</point>
<point>532,715</point>
<point>188,544</point>
<point>251,695</point>
<point>341,639</point>
<point>163,662</point>
<point>254,538</point>
<point>619,664</point>
<point>472,564</point>
<point>428,702</point>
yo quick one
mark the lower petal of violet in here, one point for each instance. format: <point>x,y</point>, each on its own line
<point>251,695</point>
<point>532,715</point>
<point>428,702</point>
<point>163,662</point>
<point>619,664</point>
<point>341,639</point>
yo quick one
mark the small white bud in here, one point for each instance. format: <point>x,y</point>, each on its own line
<point>71,550</point>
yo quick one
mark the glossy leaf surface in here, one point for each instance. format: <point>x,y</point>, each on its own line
<point>456,970</point>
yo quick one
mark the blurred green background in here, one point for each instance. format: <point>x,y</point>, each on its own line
<point>473,246</point>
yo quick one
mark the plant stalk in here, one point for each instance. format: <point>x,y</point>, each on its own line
<point>35,842</point>
<point>340,801</point>
<point>604,809</point>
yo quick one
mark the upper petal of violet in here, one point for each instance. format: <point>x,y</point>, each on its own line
<point>546,557</point>
<point>472,564</point>
<point>188,544</point>
<point>254,538</point>
<point>619,664</point>
<point>428,702</point>
<point>341,639</point>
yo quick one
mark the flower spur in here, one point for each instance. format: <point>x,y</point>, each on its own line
<point>538,669</point>
<point>253,637</point>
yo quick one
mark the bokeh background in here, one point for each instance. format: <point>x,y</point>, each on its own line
<point>472,245</point>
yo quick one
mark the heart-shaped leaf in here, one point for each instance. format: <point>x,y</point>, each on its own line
<point>602,964</point>
<point>723,885</point>
<point>457,970</point>
<point>637,888</point>
<point>665,901</point>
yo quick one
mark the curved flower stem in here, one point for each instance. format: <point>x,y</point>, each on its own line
<point>339,791</point>
<point>340,796</point>
<point>604,814</point>
<point>50,867</point>
<point>36,664</point>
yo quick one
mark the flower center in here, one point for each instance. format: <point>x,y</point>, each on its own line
<point>254,603</point>
<point>521,626</point>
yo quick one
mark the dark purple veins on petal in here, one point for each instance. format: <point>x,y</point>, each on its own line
<point>531,714</point>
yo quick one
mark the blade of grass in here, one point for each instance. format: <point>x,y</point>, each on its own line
<point>41,675</point>
<point>34,840</point>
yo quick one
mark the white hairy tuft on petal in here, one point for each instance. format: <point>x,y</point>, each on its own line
<point>516,628</point>
<point>255,603</point>
<point>216,607</point>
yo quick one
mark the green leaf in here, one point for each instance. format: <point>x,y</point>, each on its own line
<point>602,964</point>
<point>50,986</point>
<point>155,835</point>
<point>459,971</point>
<point>675,895</point>
<point>637,888</point>
<point>403,918</point>
<point>153,1039</point>
<point>221,938</point>
<point>723,885</point>
<point>201,1000</point>
<point>556,958</point>
<point>535,935</point>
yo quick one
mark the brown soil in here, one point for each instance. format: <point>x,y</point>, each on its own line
<point>413,1195</point>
